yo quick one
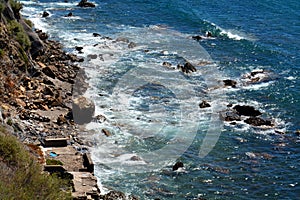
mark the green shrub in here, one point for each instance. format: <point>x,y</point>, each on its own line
<point>1,53</point>
<point>16,6</point>
<point>53,162</point>
<point>28,22</point>
<point>17,30</point>
<point>21,175</point>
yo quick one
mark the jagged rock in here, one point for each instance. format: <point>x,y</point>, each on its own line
<point>83,110</point>
<point>45,14</point>
<point>85,3</point>
<point>113,195</point>
<point>256,121</point>
<point>204,104</point>
<point>230,116</point>
<point>20,102</point>
<point>230,83</point>
<point>187,68</point>
<point>178,165</point>
<point>246,110</point>
<point>100,118</point>
<point>78,48</point>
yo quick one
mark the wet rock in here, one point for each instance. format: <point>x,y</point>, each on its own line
<point>96,35</point>
<point>135,158</point>
<point>78,48</point>
<point>26,115</point>
<point>45,14</point>
<point>257,121</point>
<point>131,45</point>
<point>178,165</point>
<point>167,64</point>
<point>246,110</point>
<point>92,56</point>
<point>258,76</point>
<point>70,14</point>
<point>197,37</point>
<point>100,118</point>
<point>230,83</point>
<point>85,3</point>
<point>297,132</point>
<point>204,104</point>
<point>230,116</point>
<point>106,132</point>
<point>122,39</point>
<point>187,68</point>
<point>113,195</point>
<point>83,110</point>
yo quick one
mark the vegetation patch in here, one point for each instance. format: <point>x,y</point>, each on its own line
<point>53,162</point>
<point>21,175</point>
<point>17,30</point>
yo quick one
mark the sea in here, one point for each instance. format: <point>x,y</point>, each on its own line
<point>150,109</point>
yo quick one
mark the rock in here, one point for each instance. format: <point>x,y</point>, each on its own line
<point>100,118</point>
<point>257,121</point>
<point>204,104</point>
<point>297,132</point>
<point>70,14</point>
<point>167,64</point>
<point>230,116</point>
<point>83,110</point>
<point>61,120</point>
<point>187,68</point>
<point>49,71</point>
<point>229,82</point>
<point>78,48</point>
<point>43,36</point>
<point>106,132</point>
<point>197,37</point>
<point>92,56</point>
<point>45,14</point>
<point>247,110</point>
<point>208,34</point>
<point>20,102</point>
<point>258,76</point>
<point>113,195</point>
<point>178,165</point>
<point>131,45</point>
<point>122,39</point>
<point>96,35</point>
<point>85,3</point>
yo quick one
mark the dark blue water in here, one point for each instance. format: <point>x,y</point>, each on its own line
<point>246,162</point>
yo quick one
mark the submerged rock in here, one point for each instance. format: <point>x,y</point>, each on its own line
<point>230,116</point>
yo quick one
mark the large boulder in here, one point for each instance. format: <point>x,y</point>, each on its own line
<point>83,110</point>
<point>85,3</point>
<point>246,110</point>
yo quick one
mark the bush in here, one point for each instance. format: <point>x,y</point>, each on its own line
<point>21,175</point>
<point>17,30</point>
<point>53,162</point>
<point>1,53</point>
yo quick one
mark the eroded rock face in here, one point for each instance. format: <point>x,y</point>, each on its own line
<point>83,110</point>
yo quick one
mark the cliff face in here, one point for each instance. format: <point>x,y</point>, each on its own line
<point>36,79</point>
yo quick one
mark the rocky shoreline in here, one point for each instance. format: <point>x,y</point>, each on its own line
<point>36,102</point>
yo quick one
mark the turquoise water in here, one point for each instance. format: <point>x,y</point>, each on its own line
<point>150,107</point>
